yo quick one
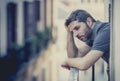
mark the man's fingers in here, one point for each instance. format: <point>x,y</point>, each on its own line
<point>65,66</point>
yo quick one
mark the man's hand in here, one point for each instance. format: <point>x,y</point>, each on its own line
<point>65,65</point>
<point>68,31</point>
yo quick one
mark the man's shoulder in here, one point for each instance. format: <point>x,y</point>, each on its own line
<point>104,27</point>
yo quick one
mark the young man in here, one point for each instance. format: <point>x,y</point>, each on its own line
<point>96,36</point>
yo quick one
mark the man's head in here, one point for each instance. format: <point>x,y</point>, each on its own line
<point>80,23</point>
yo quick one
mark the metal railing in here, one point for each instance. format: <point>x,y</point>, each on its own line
<point>74,74</point>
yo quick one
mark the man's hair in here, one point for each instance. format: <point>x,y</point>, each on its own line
<point>80,15</point>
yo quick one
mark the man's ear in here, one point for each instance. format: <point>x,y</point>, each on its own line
<point>89,22</point>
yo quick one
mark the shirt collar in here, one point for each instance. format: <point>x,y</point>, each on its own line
<point>97,24</point>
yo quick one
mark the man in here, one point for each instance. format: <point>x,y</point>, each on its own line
<point>96,36</point>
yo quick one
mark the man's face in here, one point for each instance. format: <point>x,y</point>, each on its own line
<point>81,30</point>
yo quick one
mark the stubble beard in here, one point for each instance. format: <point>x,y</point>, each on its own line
<point>88,32</point>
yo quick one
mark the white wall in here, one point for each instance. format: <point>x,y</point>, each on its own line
<point>116,40</point>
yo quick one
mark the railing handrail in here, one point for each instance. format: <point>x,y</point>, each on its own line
<point>74,74</point>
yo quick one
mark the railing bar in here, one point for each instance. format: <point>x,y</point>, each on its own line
<point>93,73</point>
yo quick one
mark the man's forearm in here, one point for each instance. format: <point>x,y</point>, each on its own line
<point>72,50</point>
<point>83,63</point>
<point>79,63</point>
<point>76,63</point>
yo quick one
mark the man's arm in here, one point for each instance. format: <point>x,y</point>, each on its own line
<point>83,63</point>
<point>73,50</point>
<point>83,50</point>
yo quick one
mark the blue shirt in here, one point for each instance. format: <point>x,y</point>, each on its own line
<point>100,39</point>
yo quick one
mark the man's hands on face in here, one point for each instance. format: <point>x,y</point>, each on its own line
<point>69,33</point>
<point>67,29</point>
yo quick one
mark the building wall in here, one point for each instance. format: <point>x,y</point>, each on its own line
<point>115,45</point>
<point>3,28</point>
<point>42,68</point>
<point>3,21</point>
<point>29,73</point>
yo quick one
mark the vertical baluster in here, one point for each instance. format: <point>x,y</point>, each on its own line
<point>74,75</point>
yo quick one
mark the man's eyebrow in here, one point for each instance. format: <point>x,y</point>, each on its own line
<point>76,27</point>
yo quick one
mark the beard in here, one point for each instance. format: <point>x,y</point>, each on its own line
<point>88,32</point>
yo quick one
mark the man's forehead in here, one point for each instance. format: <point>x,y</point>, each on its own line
<point>72,24</point>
